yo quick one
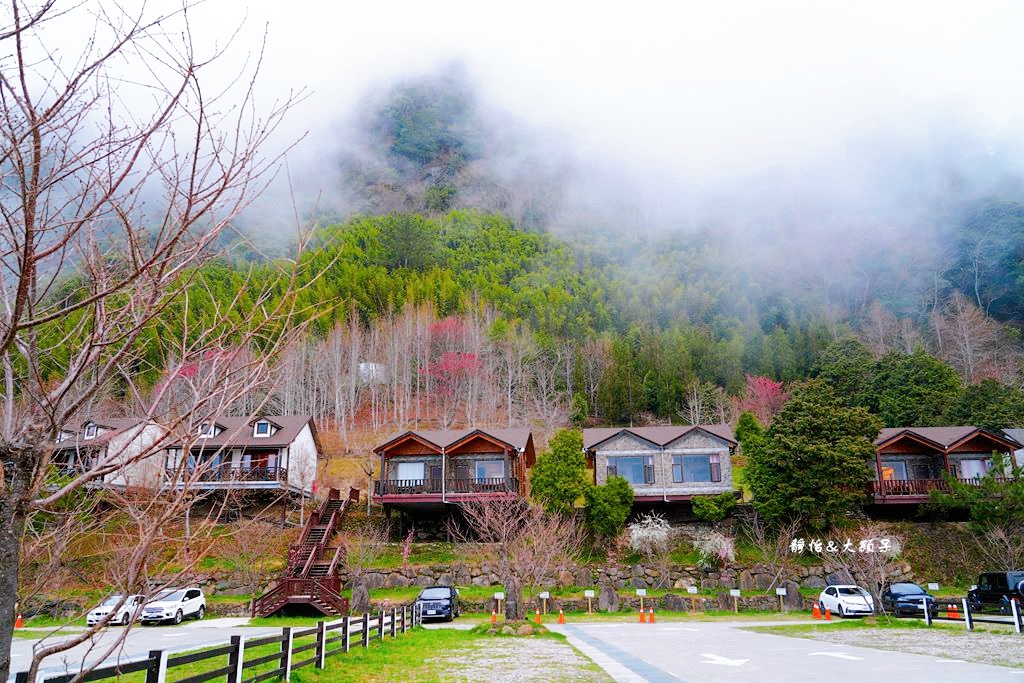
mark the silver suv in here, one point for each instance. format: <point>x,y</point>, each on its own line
<point>174,604</point>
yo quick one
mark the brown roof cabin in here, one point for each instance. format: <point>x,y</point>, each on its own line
<point>436,467</point>
<point>911,462</point>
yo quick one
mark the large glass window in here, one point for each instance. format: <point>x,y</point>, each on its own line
<point>410,471</point>
<point>490,469</point>
<point>686,468</point>
<point>894,470</point>
<point>634,469</point>
<point>972,469</point>
<point>262,428</point>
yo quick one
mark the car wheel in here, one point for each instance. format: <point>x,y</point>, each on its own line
<point>177,617</point>
<point>201,613</point>
<point>840,611</point>
<point>125,619</point>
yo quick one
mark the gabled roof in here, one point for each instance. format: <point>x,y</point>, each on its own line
<point>443,438</point>
<point>943,438</point>
<point>111,426</point>
<point>659,436</point>
<point>1015,434</point>
<point>237,431</point>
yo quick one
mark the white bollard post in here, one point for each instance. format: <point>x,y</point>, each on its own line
<point>968,620</point>
<point>1015,611</point>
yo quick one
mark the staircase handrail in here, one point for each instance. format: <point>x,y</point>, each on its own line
<point>281,587</point>
<point>334,561</point>
<point>337,601</point>
<point>314,552</point>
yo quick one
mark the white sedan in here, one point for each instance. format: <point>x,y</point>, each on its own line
<point>130,608</point>
<point>847,601</point>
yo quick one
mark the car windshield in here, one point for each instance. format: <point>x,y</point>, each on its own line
<point>907,588</point>
<point>111,601</point>
<point>852,591</point>
<point>169,596</point>
<point>435,593</point>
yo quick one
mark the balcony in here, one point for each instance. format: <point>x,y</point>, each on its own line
<point>913,490</point>
<point>431,488</point>
<point>228,475</point>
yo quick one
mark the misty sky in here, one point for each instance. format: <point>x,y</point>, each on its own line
<point>682,88</point>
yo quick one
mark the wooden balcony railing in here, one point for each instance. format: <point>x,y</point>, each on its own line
<point>230,474</point>
<point>917,487</point>
<point>453,485</point>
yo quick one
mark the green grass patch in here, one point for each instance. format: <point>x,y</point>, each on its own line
<point>422,554</point>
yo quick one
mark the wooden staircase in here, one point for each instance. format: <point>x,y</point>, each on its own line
<point>312,575</point>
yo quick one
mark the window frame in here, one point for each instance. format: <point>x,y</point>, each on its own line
<point>256,429</point>
<point>647,473</point>
<point>90,431</point>
<point>714,463</point>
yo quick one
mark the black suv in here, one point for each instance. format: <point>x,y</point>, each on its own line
<point>996,589</point>
<point>438,602</point>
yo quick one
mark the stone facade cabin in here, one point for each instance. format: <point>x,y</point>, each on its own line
<point>664,464</point>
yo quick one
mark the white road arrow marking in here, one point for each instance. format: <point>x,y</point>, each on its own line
<point>724,661</point>
<point>838,655</point>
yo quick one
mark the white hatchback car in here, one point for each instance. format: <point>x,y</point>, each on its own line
<point>174,604</point>
<point>847,601</point>
<point>126,614</point>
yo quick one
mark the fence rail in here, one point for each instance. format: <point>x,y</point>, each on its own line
<point>329,638</point>
<point>962,612</point>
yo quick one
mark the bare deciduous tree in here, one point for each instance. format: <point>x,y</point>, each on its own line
<point>530,544</point>
<point>115,189</point>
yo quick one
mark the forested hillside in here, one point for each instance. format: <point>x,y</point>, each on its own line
<point>474,285</point>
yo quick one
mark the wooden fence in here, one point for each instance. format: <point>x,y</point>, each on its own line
<point>328,638</point>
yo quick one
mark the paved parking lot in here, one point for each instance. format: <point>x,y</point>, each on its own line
<point>720,651</point>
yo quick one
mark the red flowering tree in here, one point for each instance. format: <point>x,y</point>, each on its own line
<point>763,396</point>
<point>449,378</point>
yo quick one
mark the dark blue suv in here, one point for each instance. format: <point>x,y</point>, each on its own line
<point>438,602</point>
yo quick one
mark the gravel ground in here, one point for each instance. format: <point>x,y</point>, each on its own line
<point>514,660</point>
<point>1002,649</point>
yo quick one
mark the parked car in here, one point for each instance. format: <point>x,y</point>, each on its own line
<point>907,599</point>
<point>175,604</point>
<point>439,602</point>
<point>847,601</point>
<point>995,590</point>
<point>125,615</point>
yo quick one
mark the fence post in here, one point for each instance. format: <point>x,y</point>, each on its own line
<point>236,658</point>
<point>286,647</point>
<point>968,619</point>
<point>321,643</point>
<point>1015,611</point>
<point>157,672</point>
<point>380,625</point>
<point>394,621</point>
<point>366,629</point>
<point>344,633</point>
<point>404,623</point>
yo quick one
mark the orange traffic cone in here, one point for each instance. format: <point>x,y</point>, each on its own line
<point>494,616</point>
<point>650,619</point>
<point>828,614</point>
<point>816,611</point>
<point>952,611</point>
<point>643,616</point>
<point>18,623</point>
<point>561,616</point>
<point>536,616</point>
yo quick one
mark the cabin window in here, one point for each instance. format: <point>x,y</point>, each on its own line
<point>973,469</point>
<point>894,470</point>
<point>410,471</point>
<point>696,468</point>
<point>206,430</point>
<point>634,469</point>
<point>262,428</point>
<point>90,431</point>
<point>490,469</point>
